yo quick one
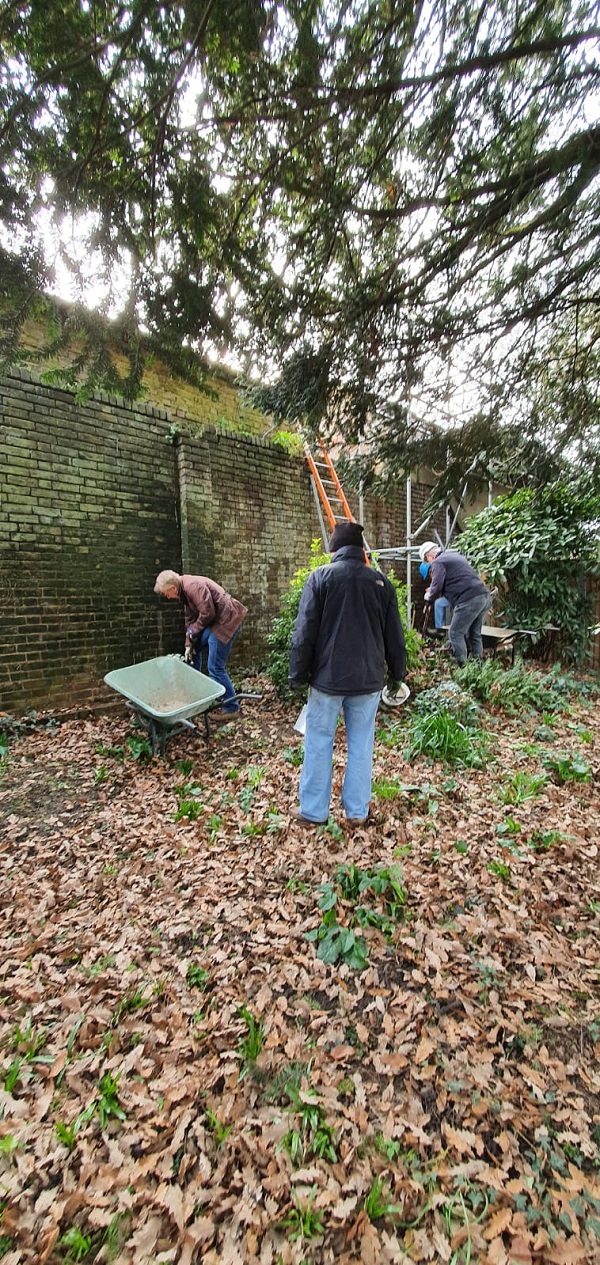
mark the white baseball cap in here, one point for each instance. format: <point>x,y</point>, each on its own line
<point>425,548</point>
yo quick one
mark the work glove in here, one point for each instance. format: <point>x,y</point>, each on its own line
<point>189,652</point>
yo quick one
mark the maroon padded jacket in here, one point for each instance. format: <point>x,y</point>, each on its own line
<point>207,605</point>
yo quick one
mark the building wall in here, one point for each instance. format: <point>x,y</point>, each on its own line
<point>220,405</point>
<point>89,512</point>
<point>97,498</point>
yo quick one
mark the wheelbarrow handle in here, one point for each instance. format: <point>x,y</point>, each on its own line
<point>233,698</point>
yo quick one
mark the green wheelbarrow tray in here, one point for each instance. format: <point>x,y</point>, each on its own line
<point>164,693</point>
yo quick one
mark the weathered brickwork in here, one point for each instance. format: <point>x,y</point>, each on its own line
<point>248,518</point>
<point>221,405</point>
<point>89,512</point>
<point>99,497</point>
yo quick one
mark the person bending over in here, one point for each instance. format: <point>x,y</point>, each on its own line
<point>213,620</point>
<point>455,579</point>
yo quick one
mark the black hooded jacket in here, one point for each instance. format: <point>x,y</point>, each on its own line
<point>347,628</point>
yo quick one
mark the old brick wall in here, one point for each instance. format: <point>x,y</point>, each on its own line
<point>89,513</point>
<point>99,497</point>
<point>221,405</point>
<point>248,518</point>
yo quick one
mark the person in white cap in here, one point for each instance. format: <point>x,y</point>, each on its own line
<point>455,579</point>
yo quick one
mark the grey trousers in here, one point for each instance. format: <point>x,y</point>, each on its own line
<point>464,633</point>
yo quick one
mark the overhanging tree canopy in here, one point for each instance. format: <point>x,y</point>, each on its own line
<point>361,194</point>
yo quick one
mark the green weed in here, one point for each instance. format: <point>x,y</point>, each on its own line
<point>500,869</point>
<point>67,1133</point>
<point>339,944</point>
<point>568,768</point>
<point>8,1145</point>
<point>441,736</point>
<point>294,755</point>
<point>521,787</point>
<point>303,1223</point>
<point>12,1075</point>
<point>139,748</point>
<point>130,1003</point>
<point>184,767</point>
<point>219,1131</point>
<point>196,976</point>
<point>378,1204</point>
<point>542,840</point>
<point>251,1045</point>
<point>514,689</point>
<point>107,1103</point>
<point>188,809</point>
<point>78,1245</point>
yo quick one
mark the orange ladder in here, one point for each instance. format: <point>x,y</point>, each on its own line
<point>328,491</point>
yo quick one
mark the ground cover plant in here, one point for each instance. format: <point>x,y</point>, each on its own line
<point>190,1071</point>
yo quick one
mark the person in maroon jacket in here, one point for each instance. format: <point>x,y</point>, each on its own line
<point>213,620</point>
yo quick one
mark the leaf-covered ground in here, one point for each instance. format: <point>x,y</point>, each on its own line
<point>184,1079</point>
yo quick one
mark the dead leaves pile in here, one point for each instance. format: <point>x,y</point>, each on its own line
<point>184,1080</point>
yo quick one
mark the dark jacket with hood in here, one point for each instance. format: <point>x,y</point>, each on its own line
<point>454,578</point>
<point>347,628</point>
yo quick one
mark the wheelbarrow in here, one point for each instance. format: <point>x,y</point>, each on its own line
<point>165,693</point>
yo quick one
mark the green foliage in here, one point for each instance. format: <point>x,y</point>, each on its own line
<point>412,639</point>
<point>568,768</point>
<point>107,1103</point>
<point>539,545</point>
<point>311,1137</point>
<point>251,1045</point>
<point>139,748</point>
<point>543,840</point>
<point>443,737</point>
<point>500,869</point>
<point>521,787</point>
<point>219,1130</point>
<point>450,697</point>
<point>77,1245</point>
<point>517,688</point>
<point>290,441</point>
<point>196,976</point>
<point>189,806</point>
<point>378,1202</point>
<point>352,883</point>
<point>302,1222</point>
<point>339,944</point>
<point>279,639</point>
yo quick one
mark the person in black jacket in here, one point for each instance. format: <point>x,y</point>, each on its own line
<point>347,629</point>
<point>453,577</point>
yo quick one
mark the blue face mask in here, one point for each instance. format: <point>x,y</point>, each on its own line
<point>424,569</point>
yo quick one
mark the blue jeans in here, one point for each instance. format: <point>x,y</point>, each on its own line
<point>218,654</point>
<point>441,610</point>
<point>464,633</point>
<point>322,713</point>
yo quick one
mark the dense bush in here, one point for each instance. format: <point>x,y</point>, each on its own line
<point>280,637</point>
<point>538,547</point>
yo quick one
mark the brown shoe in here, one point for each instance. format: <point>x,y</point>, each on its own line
<point>357,821</point>
<point>296,815</point>
<point>223,718</point>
